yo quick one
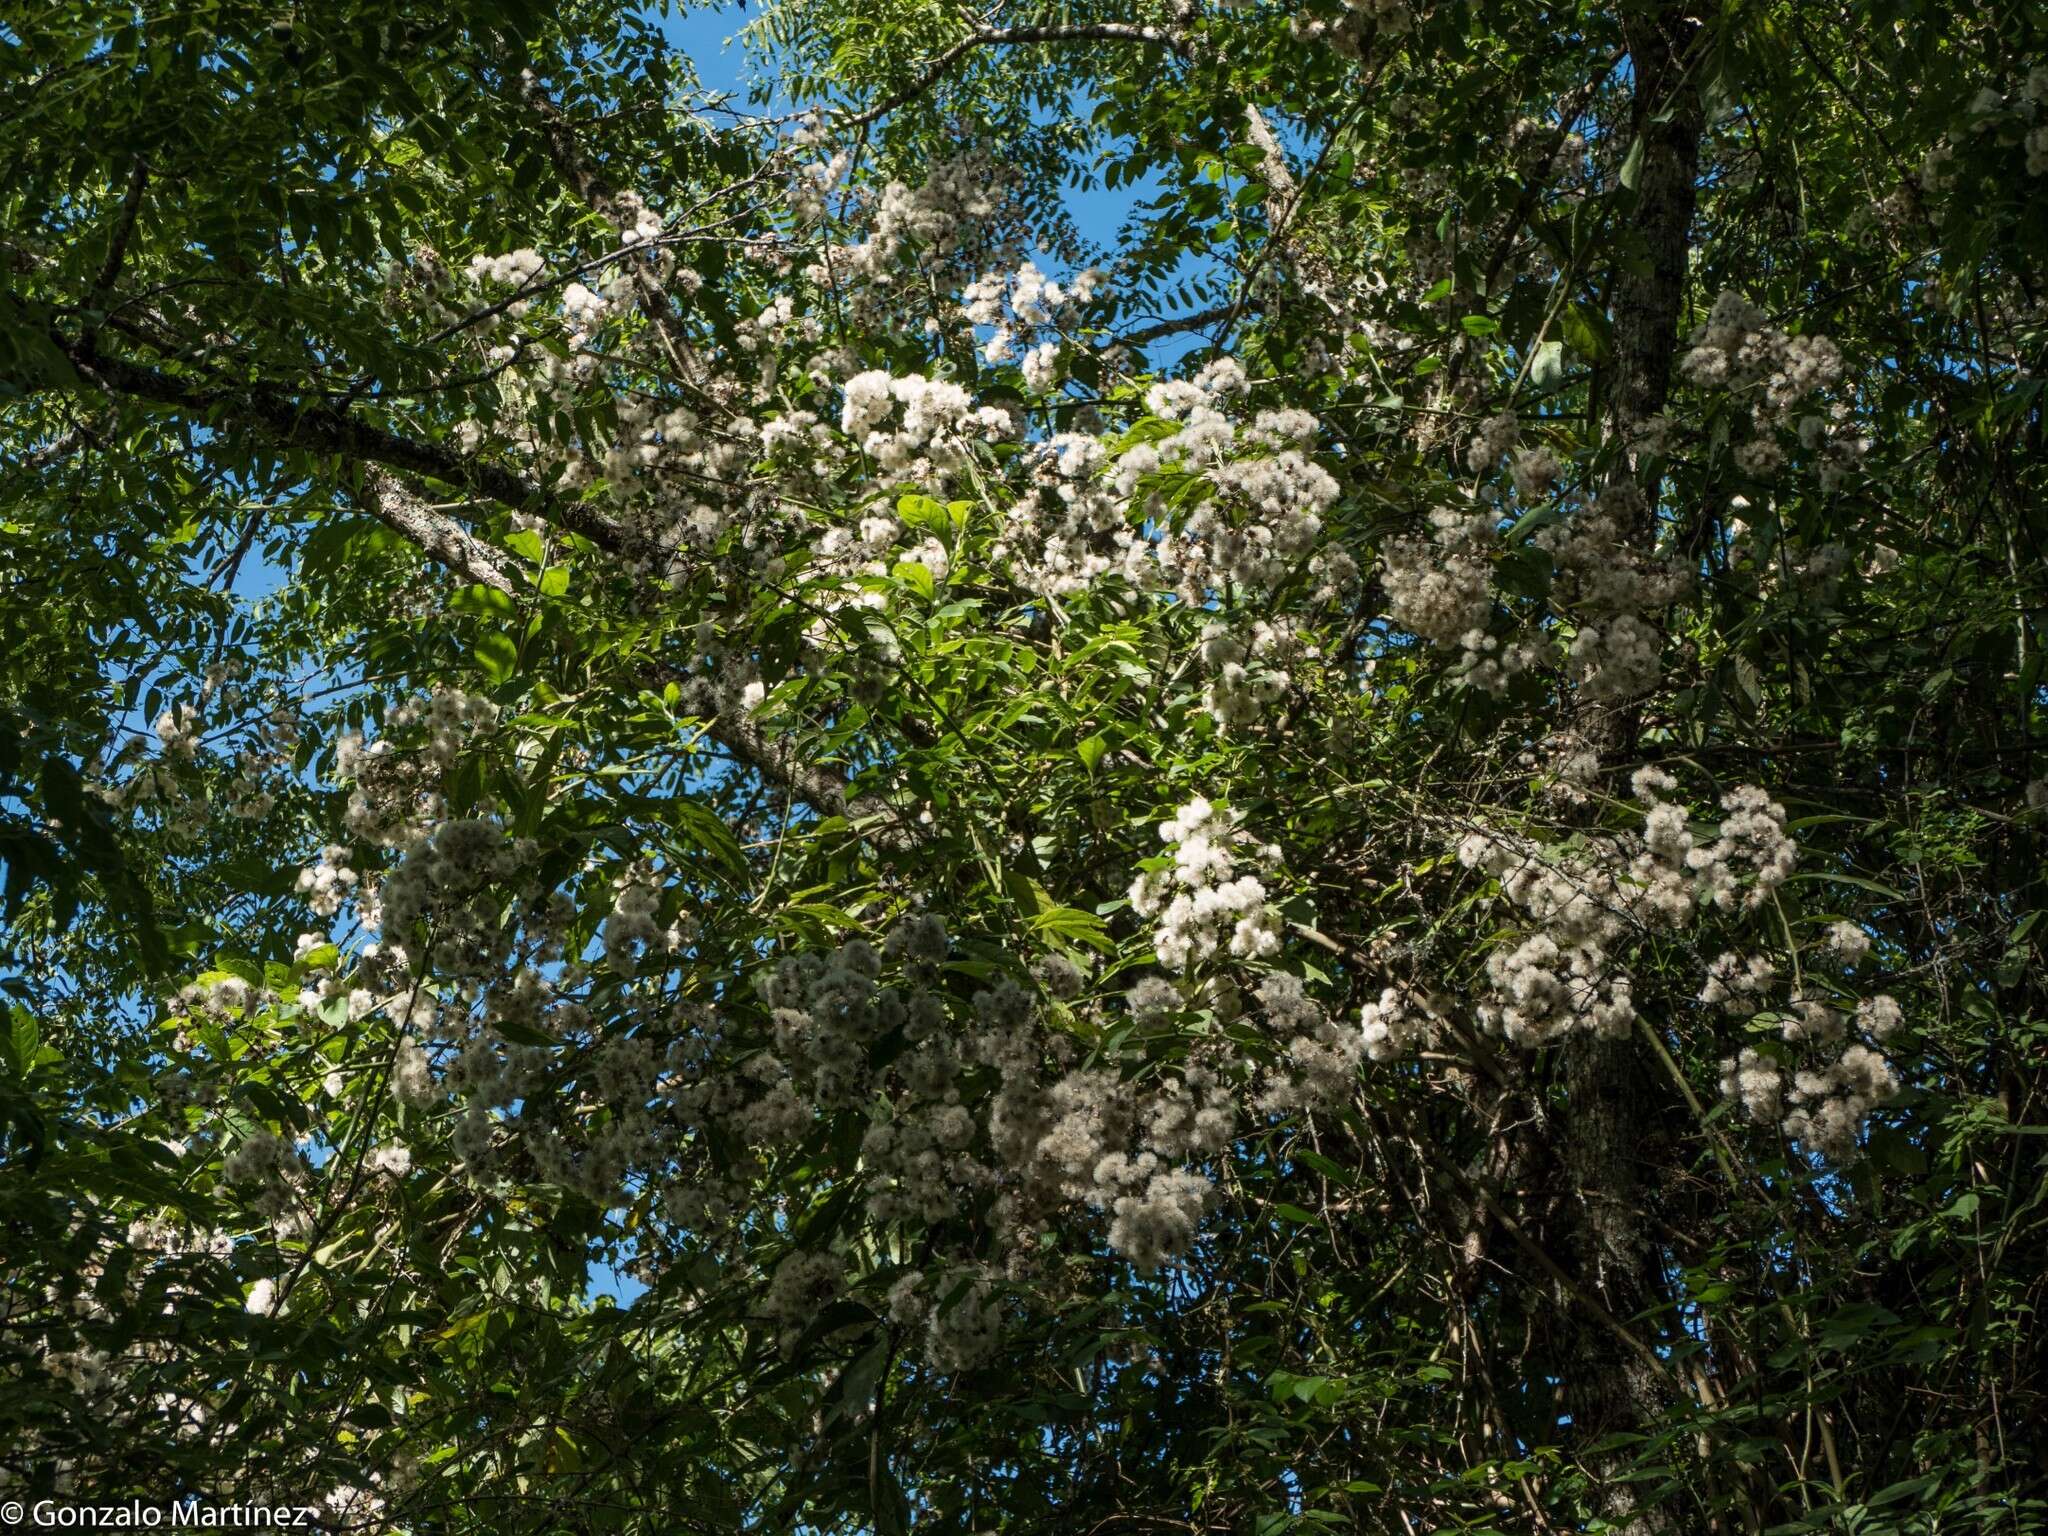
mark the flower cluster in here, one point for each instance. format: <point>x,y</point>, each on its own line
<point>1035,304</point>
<point>1439,587</point>
<point>938,426</point>
<point>269,1162</point>
<point>1778,376</point>
<point>1351,30</point>
<point>1319,1063</point>
<point>1823,1108</point>
<point>1614,591</point>
<point>1202,902</point>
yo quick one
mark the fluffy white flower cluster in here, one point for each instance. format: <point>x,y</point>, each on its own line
<point>1439,585</point>
<point>1822,1108</point>
<point>1071,529</point>
<point>811,187</point>
<point>1319,1065</point>
<point>1600,576</point>
<point>1736,985</point>
<point>633,927</point>
<point>804,1283</point>
<point>1583,899</point>
<point>394,803</point>
<point>1439,588</point>
<point>1246,671</point>
<point>965,1328</point>
<point>637,223</point>
<point>1090,1138</point>
<point>1739,350</point>
<point>269,1162</point>
<point>328,883</point>
<point>514,269</point>
<point>1036,303</point>
<point>1398,1024</point>
<point>1158,1220</point>
<point>1825,1104</point>
<point>1560,977</point>
<point>776,326</point>
<point>937,430</point>
<point>1264,520</point>
<point>962,1322</point>
<point>1831,1104</point>
<point>1202,903</point>
<point>1752,834</point>
<point>412,1075</point>
<point>584,309</point>
<point>185,785</point>
<point>178,730</point>
<point>1356,23</point>
<point>936,218</point>
<point>220,997</point>
<point>1848,942</point>
<point>1590,904</point>
<point>1052,1136</point>
<point>1491,443</point>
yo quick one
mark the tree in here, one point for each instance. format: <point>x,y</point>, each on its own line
<point>711,821</point>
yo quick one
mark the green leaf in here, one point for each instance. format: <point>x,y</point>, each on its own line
<point>1074,926</point>
<point>497,656</point>
<point>1585,331</point>
<point>1632,165</point>
<point>915,575</point>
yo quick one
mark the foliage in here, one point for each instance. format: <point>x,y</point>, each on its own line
<point>708,820</point>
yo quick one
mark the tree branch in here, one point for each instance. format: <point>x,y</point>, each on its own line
<point>407,513</point>
<point>288,421</point>
<point>1164,328</point>
<point>376,452</point>
<point>124,231</point>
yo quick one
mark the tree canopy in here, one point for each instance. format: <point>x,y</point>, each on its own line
<point>718,814</point>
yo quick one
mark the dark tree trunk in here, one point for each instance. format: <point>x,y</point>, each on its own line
<point>1617,1118</point>
<point>1667,116</point>
<point>1614,1128</point>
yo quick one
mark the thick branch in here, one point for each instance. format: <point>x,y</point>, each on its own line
<point>286,420</point>
<point>565,151</point>
<point>1164,328</point>
<point>819,787</point>
<point>408,513</point>
<point>376,452</point>
<point>1281,188</point>
<point>1618,1122</point>
<point>124,231</point>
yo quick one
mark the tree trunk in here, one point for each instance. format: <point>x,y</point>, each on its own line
<point>1616,1122</point>
<point>1667,117</point>
<point>1612,1134</point>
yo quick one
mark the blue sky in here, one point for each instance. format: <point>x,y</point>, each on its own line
<point>709,36</point>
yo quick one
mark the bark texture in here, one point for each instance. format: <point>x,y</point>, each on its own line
<point>1618,1117</point>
